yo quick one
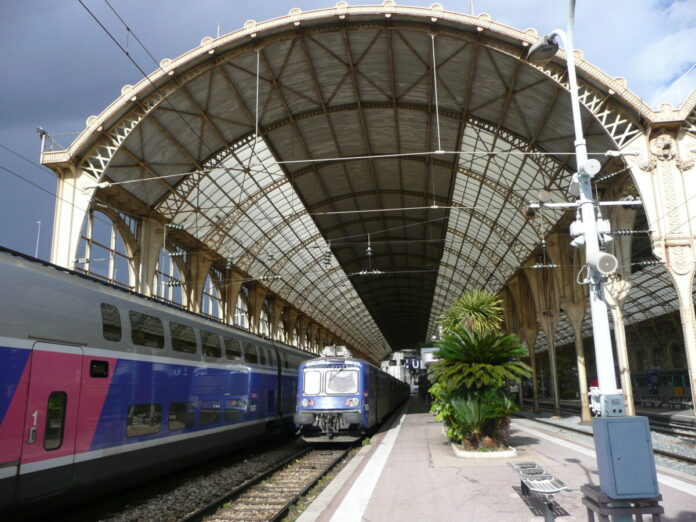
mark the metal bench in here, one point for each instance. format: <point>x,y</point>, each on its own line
<point>535,480</point>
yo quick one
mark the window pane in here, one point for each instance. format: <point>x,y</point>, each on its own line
<point>211,344</point>
<point>111,322</point>
<point>99,369</point>
<point>343,382</point>
<point>250,354</point>
<point>233,348</point>
<point>183,338</point>
<point>210,412</point>
<point>181,415</point>
<point>262,355</point>
<point>55,420</point>
<point>146,330</point>
<point>234,409</point>
<point>143,419</point>
<point>312,382</point>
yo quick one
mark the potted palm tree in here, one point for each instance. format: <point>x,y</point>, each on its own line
<point>477,360</point>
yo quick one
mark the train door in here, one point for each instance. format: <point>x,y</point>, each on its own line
<point>50,423</point>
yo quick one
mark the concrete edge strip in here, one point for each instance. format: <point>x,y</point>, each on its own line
<point>675,483</point>
<point>356,500</point>
<point>334,493</point>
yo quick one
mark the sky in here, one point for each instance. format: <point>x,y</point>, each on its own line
<point>60,67</point>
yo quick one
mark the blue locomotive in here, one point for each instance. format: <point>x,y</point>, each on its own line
<point>340,397</point>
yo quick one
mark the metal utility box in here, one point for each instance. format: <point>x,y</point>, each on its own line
<point>625,457</point>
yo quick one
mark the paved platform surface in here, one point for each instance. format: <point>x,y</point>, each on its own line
<point>408,473</point>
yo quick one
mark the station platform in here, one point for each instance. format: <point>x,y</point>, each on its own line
<point>409,472</point>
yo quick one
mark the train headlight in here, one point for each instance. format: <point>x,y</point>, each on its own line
<point>304,403</point>
<point>352,402</point>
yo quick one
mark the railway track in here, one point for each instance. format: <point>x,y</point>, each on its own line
<point>674,428</point>
<point>270,495</point>
<point>675,456</point>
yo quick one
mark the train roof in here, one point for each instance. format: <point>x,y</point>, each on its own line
<point>40,263</point>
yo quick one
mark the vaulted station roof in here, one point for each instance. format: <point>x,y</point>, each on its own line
<point>416,132</point>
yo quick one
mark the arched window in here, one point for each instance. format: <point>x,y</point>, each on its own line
<point>241,311</point>
<point>264,322</point>
<point>102,252</point>
<point>168,277</point>
<point>280,331</point>
<point>295,341</point>
<point>211,303</point>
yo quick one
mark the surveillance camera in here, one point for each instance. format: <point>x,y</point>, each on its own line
<point>530,212</point>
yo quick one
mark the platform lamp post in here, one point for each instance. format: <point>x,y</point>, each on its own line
<point>624,449</point>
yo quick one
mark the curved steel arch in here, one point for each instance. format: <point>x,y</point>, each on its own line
<point>615,110</point>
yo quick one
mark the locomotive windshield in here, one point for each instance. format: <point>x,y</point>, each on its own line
<point>330,381</point>
<point>342,382</point>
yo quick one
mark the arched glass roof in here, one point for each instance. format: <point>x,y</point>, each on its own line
<point>416,132</point>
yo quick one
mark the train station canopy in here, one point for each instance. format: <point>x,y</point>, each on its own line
<point>376,159</point>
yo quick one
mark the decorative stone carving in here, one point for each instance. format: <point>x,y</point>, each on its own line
<point>664,147</point>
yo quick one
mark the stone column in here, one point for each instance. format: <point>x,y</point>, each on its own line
<point>546,297</point>
<point>74,194</point>
<point>277,306</point>
<point>232,286</point>
<point>290,318</point>
<point>257,295</point>
<point>616,293</point>
<point>302,331</point>
<point>576,314</point>
<point>530,337</point>
<point>683,274</point>
<point>199,266</point>
<point>663,166</point>
<point>151,238</point>
<point>529,328</point>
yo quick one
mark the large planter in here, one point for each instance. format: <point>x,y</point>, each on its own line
<point>478,454</point>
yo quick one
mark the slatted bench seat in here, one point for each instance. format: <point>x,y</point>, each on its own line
<point>535,480</point>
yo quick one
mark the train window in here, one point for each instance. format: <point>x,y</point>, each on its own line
<point>234,409</point>
<point>250,353</point>
<point>286,360</point>
<point>183,338</point>
<point>55,420</point>
<point>99,369</point>
<point>181,415</point>
<point>271,357</point>
<point>342,382</point>
<point>392,362</point>
<point>312,382</point>
<point>111,322</point>
<point>262,355</point>
<point>211,344</point>
<point>210,412</point>
<point>233,348</point>
<point>143,419</point>
<point>146,330</point>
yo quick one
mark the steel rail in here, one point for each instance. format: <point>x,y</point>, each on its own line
<point>275,503</point>
<point>662,453</point>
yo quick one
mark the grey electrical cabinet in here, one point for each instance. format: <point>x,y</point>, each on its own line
<point>625,457</point>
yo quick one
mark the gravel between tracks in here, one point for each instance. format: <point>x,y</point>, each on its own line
<point>194,488</point>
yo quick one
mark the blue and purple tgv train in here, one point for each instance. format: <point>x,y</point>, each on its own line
<point>341,398</point>
<point>101,387</point>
